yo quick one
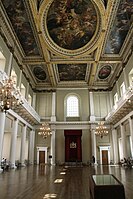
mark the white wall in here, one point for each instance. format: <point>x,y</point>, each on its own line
<point>44,104</point>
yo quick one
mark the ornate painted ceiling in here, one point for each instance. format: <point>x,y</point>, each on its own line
<point>69,43</point>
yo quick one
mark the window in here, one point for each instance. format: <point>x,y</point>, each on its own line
<point>72,106</point>
<point>29,99</point>
<point>131,78</point>
<point>115,99</point>
<point>23,90</point>
<point>122,89</point>
<point>14,77</point>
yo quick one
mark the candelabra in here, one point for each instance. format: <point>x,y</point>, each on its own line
<point>101,129</point>
<point>45,130</point>
<point>10,96</point>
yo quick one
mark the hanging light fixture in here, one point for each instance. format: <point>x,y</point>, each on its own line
<point>45,130</point>
<point>10,96</point>
<point>101,130</point>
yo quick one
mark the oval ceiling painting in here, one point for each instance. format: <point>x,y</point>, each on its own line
<point>39,73</point>
<point>71,23</point>
<point>104,72</point>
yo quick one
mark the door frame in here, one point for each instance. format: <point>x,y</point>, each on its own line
<point>46,153</point>
<point>104,148</point>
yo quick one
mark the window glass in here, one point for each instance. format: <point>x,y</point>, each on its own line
<point>14,77</point>
<point>122,88</point>
<point>29,99</point>
<point>130,76</point>
<point>115,98</point>
<point>23,90</point>
<point>72,106</point>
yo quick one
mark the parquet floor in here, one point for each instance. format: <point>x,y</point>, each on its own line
<point>58,182</point>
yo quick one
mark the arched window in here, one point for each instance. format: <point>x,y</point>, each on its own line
<point>29,99</point>
<point>14,77</point>
<point>22,90</point>
<point>131,78</point>
<point>122,89</point>
<point>72,106</point>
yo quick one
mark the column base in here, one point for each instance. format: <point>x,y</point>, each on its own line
<point>92,118</point>
<point>1,170</point>
<point>13,166</point>
<point>31,163</point>
<point>53,118</point>
<point>53,163</point>
<point>23,165</point>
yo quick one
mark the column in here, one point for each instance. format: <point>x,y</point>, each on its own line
<point>31,147</point>
<point>53,117</point>
<point>13,143</point>
<point>10,64</point>
<point>123,139</point>
<point>115,146</point>
<point>2,126</point>
<point>93,144</point>
<point>33,144</point>
<point>53,147</point>
<point>92,116</point>
<point>131,133</point>
<point>23,142</point>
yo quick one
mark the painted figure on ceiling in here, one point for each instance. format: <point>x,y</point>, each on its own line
<point>71,24</point>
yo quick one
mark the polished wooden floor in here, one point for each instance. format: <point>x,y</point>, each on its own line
<point>59,182</point>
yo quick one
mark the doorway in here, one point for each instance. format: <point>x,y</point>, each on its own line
<point>41,157</point>
<point>104,157</point>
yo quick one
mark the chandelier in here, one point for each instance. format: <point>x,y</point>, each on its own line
<point>10,96</point>
<point>101,130</point>
<point>45,130</point>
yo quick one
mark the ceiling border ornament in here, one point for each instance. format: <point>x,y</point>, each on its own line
<point>87,48</point>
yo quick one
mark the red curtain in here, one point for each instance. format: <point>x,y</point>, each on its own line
<point>73,150</point>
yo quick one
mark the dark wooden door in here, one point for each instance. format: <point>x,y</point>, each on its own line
<point>41,157</point>
<point>104,157</point>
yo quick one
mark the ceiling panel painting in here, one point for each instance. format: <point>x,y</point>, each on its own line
<point>120,27</point>
<point>72,72</point>
<point>69,24</point>
<point>17,14</point>
<point>104,72</point>
<point>39,73</point>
